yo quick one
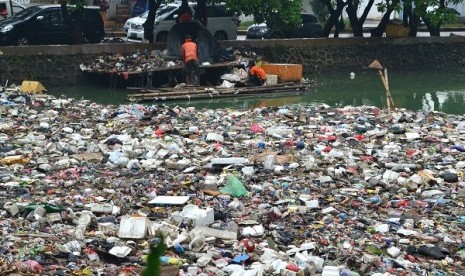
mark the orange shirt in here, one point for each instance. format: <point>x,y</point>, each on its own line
<point>259,72</point>
<point>189,51</point>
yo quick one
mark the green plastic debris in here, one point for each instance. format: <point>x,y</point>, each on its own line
<point>234,187</point>
<point>374,250</point>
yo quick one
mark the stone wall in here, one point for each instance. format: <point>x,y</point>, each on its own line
<point>59,65</point>
<point>356,53</point>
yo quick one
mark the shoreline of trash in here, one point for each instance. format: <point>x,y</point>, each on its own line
<point>296,190</point>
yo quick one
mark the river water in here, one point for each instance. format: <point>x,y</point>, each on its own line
<point>442,91</point>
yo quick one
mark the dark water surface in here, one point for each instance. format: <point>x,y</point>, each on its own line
<point>442,91</point>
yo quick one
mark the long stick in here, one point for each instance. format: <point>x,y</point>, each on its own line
<point>389,90</point>
<point>381,75</point>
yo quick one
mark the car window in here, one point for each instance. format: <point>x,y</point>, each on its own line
<point>51,17</point>
<point>17,9</point>
<point>55,18</point>
<point>91,15</point>
<point>165,9</point>
<point>26,13</point>
<point>171,15</point>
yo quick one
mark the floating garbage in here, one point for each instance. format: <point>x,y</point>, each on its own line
<point>87,189</point>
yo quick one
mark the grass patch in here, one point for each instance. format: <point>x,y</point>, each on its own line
<point>245,24</point>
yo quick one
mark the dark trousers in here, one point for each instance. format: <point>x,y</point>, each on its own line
<point>192,72</point>
<point>256,81</point>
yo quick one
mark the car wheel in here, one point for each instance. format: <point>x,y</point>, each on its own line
<point>22,41</point>
<point>162,37</point>
<point>221,35</point>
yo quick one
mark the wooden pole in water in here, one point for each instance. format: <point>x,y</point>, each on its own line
<point>384,79</point>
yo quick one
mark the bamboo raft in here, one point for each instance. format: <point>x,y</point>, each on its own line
<point>196,93</point>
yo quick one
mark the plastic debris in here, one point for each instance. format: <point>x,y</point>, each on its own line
<point>298,190</point>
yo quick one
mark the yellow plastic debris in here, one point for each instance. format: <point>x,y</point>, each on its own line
<point>32,87</point>
<point>17,159</point>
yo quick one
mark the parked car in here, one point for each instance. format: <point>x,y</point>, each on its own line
<point>44,25</point>
<point>310,28</point>
<point>132,20</point>
<point>222,23</point>
<point>9,8</point>
<point>136,22</point>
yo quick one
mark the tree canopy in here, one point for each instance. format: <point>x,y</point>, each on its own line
<point>280,15</point>
<point>284,15</point>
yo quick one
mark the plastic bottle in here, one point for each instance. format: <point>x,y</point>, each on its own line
<point>179,249</point>
<point>171,261</point>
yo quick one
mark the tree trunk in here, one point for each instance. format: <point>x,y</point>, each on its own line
<point>381,28</point>
<point>201,12</point>
<point>357,23</point>
<point>333,19</point>
<point>150,21</point>
<point>72,23</point>
<point>434,29</point>
<point>410,19</point>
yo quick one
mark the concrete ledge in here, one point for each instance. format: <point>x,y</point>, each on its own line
<point>95,49</point>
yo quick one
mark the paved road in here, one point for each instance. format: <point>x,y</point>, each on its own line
<point>419,34</point>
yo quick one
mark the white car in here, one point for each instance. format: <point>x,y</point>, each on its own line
<point>133,19</point>
<point>137,21</point>
<point>222,24</point>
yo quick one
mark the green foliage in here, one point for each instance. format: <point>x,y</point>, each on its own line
<point>78,4</point>
<point>280,15</point>
<point>320,10</point>
<point>441,15</point>
<point>389,5</point>
<point>153,261</point>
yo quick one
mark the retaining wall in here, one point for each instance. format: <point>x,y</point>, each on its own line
<point>59,65</point>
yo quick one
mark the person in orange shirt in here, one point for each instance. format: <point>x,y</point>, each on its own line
<point>191,61</point>
<point>257,74</point>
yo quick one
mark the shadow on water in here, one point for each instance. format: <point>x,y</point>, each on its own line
<point>442,91</point>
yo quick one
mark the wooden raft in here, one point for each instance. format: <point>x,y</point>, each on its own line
<point>194,93</point>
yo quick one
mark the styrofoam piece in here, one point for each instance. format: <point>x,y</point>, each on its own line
<point>312,204</point>
<point>328,210</point>
<point>52,217</point>
<point>133,227</point>
<point>307,246</point>
<point>169,200</point>
<point>106,208</point>
<point>120,251</point>
<point>215,137</point>
<point>256,230</point>
<point>200,217</point>
<point>382,228</point>
<point>319,262</point>
<point>279,131</point>
<point>271,79</point>
<point>220,234</point>
<point>229,161</point>
<point>393,251</point>
<point>331,271</point>
<point>412,135</point>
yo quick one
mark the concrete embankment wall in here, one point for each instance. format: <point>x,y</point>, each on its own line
<point>59,65</point>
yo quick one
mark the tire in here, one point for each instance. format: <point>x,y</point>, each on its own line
<point>220,35</point>
<point>22,41</point>
<point>162,37</point>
